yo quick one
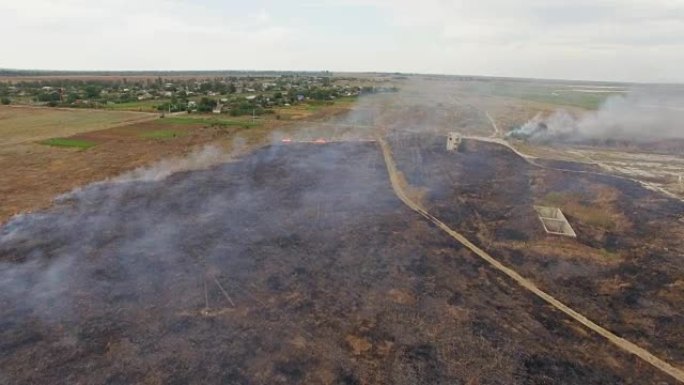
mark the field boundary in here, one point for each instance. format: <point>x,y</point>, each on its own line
<point>620,342</point>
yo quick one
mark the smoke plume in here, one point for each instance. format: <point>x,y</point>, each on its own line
<point>643,115</point>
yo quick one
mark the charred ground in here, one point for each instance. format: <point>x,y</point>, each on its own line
<point>624,269</point>
<point>295,264</point>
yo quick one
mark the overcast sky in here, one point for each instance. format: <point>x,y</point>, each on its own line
<point>639,40</point>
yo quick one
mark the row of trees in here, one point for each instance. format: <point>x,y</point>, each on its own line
<point>224,86</point>
<point>237,107</point>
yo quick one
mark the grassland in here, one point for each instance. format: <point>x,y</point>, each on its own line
<point>585,96</point>
<point>21,125</point>
<point>162,134</point>
<point>143,105</point>
<point>209,121</point>
<point>580,207</point>
<point>67,142</point>
<point>588,100</point>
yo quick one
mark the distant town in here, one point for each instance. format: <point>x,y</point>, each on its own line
<point>243,94</point>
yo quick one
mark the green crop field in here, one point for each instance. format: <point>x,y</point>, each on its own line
<point>162,134</point>
<point>586,96</point>
<point>586,100</point>
<point>208,121</point>
<point>143,105</point>
<point>66,142</point>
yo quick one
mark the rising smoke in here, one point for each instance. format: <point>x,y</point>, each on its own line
<point>155,231</point>
<point>643,115</point>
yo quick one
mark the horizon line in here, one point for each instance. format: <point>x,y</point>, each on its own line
<point>214,71</point>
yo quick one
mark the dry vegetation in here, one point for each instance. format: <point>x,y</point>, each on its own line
<point>25,124</point>
<point>34,173</point>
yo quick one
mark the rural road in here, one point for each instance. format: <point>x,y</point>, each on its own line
<point>497,132</point>
<point>620,342</point>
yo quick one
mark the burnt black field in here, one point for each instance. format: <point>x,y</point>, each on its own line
<point>295,264</point>
<point>627,278</point>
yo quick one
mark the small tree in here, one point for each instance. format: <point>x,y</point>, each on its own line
<point>206,105</point>
<point>92,91</point>
<point>5,101</point>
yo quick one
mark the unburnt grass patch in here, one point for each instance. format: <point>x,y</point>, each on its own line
<point>162,134</point>
<point>68,142</point>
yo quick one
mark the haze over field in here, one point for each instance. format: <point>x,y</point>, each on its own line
<point>342,192</point>
<point>595,40</point>
<point>642,115</point>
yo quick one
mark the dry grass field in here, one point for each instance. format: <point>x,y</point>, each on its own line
<point>23,124</point>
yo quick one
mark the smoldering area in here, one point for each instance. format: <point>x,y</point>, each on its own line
<point>293,264</point>
<point>644,115</point>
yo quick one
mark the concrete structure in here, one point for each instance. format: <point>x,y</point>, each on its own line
<point>453,141</point>
<point>218,108</point>
<point>554,221</point>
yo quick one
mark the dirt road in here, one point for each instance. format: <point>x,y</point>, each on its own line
<point>621,343</point>
<point>497,131</point>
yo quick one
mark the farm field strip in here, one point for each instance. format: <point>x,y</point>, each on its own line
<point>22,124</point>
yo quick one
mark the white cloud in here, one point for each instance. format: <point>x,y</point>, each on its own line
<point>613,40</point>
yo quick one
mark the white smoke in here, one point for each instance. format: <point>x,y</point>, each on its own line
<point>642,115</point>
<point>206,157</point>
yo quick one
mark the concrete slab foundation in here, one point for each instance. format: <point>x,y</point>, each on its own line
<point>554,221</point>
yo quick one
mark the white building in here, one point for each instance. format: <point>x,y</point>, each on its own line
<point>453,141</point>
